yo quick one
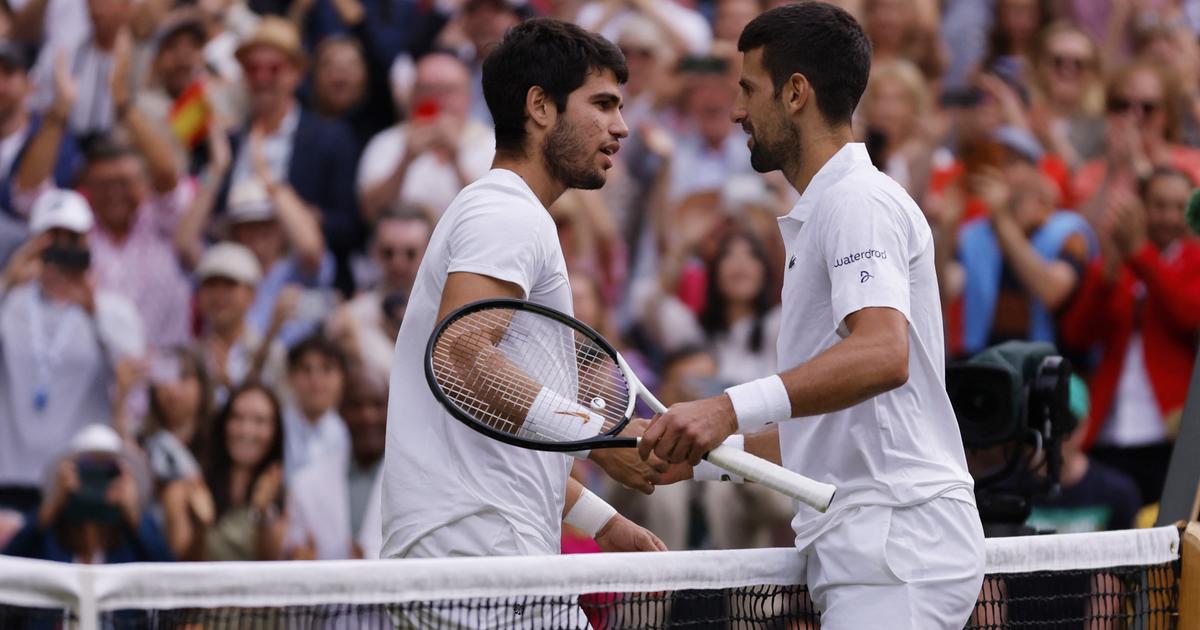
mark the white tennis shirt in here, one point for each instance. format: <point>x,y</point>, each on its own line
<point>854,240</point>
<point>438,471</point>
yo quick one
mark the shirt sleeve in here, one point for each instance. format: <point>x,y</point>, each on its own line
<point>499,238</point>
<point>866,252</point>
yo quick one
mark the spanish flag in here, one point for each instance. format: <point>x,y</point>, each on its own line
<point>189,116</point>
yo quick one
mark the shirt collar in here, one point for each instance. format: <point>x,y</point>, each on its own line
<point>850,155</point>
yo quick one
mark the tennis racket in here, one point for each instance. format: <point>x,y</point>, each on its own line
<point>533,377</point>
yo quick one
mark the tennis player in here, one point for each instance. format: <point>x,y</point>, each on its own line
<point>554,93</point>
<point>861,401</point>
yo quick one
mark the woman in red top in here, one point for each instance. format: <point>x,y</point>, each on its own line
<point>1139,304</point>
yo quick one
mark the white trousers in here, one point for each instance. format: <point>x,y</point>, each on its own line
<point>911,568</point>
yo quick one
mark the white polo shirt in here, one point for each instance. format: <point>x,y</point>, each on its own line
<point>854,240</point>
<point>437,471</point>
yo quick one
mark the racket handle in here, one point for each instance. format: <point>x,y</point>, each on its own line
<point>814,493</point>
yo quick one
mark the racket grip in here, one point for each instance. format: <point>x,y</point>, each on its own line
<point>814,493</point>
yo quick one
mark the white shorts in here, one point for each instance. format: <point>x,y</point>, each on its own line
<point>911,568</point>
<point>487,534</point>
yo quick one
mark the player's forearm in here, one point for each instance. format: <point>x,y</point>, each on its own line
<point>765,445</point>
<point>855,369</point>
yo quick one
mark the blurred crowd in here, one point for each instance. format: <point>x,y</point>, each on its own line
<point>212,212</point>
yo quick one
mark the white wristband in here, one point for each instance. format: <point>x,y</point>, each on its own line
<point>708,471</point>
<point>759,403</point>
<point>589,514</point>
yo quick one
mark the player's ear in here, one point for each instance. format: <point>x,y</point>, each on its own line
<point>540,107</point>
<point>796,93</point>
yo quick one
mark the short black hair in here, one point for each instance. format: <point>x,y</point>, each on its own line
<point>316,343</point>
<point>820,41</point>
<point>554,55</point>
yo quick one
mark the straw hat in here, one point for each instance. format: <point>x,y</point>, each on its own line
<point>277,33</point>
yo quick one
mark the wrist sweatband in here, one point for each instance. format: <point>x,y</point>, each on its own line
<point>554,417</point>
<point>759,403</point>
<point>589,514</point>
<point>708,471</point>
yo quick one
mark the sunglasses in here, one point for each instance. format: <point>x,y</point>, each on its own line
<point>258,69</point>
<point>1118,105</point>
<point>1068,63</point>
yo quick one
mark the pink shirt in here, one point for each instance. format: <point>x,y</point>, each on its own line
<point>145,268</point>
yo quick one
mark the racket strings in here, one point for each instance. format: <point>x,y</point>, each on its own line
<point>493,363</point>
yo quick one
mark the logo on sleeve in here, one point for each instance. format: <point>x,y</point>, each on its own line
<point>866,254</point>
<point>792,262</point>
<point>863,276</point>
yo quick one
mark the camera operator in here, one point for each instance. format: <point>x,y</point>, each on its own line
<point>60,340</point>
<point>93,509</point>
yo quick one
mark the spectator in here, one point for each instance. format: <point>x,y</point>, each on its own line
<point>397,250</point>
<point>334,505</point>
<point>177,424</point>
<point>740,312</point>
<point>428,159</point>
<point>1067,114</point>
<point>1143,131</point>
<point>132,246</point>
<point>1018,268</point>
<point>244,470</point>
<point>1139,303</point>
<point>484,23</point>
<point>93,512</point>
<point>712,148</point>
<point>648,59</point>
<point>302,154</point>
<point>312,428</point>
<point>99,61</point>
<point>18,126</point>
<point>905,29</point>
<point>897,112</point>
<point>234,352</point>
<point>286,240</point>
<point>730,17</point>
<point>59,341</point>
<point>339,81</point>
<point>1014,33</point>
<point>1093,496</point>
<point>181,98</point>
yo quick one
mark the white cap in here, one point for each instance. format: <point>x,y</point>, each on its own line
<point>96,438</point>
<point>249,201</point>
<point>230,260</point>
<point>58,208</point>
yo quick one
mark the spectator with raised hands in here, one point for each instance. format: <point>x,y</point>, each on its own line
<point>19,126</point>
<point>427,159</point>
<point>1017,268</point>
<point>234,351</point>
<point>1143,129</point>
<point>294,152</point>
<point>1067,114</point>
<point>60,339</point>
<point>94,512</point>
<point>685,30</point>
<point>1139,305</point>
<point>244,472</point>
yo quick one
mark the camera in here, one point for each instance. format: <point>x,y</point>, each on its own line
<point>1013,407</point>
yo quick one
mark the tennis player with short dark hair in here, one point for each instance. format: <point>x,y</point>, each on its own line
<point>862,388</point>
<point>554,92</point>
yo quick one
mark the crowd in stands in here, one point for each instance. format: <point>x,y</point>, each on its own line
<point>212,214</point>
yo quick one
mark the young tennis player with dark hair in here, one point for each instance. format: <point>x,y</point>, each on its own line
<point>861,401</point>
<point>554,93</point>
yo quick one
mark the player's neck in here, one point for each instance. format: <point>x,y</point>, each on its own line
<point>546,188</point>
<point>816,152</point>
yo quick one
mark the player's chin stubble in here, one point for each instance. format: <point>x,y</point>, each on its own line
<point>773,147</point>
<point>569,160</point>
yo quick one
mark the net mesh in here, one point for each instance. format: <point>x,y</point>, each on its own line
<point>1094,581</point>
<point>494,362</point>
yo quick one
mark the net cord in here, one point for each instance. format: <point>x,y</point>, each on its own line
<point>249,584</point>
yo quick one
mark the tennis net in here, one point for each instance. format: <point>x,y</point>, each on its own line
<point>1127,579</point>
